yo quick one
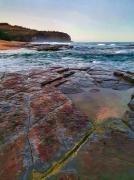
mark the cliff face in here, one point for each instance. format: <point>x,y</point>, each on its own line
<point>18,33</point>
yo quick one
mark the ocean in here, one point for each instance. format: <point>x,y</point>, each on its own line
<point>100,55</point>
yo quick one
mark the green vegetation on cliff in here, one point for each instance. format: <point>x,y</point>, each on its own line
<point>18,33</point>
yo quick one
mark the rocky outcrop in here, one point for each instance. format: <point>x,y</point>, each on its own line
<point>128,76</point>
<point>18,33</point>
<point>48,47</point>
<point>129,116</point>
<point>63,123</point>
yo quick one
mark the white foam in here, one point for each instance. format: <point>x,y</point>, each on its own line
<point>95,62</point>
<point>16,51</point>
<point>112,44</point>
<point>52,43</point>
<point>124,51</point>
<point>101,44</point>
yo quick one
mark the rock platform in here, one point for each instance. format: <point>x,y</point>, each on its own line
<point>67,124</point>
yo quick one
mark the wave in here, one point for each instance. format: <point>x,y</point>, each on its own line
<point>52,43</point>
<point>101,44</point>
<point>112,45</point>
<point>17,51</point>
<point>124,51</point>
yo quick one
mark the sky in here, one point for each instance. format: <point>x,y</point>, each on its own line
<point>83,20</point>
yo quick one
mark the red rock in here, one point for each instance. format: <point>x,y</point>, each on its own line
<point>11,159</point>
<point>39,125</point>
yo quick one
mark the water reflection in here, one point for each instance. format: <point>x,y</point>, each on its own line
<point>102,104</point>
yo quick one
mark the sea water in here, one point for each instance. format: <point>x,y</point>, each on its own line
<point>110,55</point>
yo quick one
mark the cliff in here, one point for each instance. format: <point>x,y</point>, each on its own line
<point>18,33</point>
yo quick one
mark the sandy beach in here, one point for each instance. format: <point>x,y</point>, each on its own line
<point>10,45</point>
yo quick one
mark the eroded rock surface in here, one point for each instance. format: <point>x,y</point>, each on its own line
<point>45,134</point>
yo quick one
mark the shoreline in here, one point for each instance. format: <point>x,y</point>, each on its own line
<point>11,45</point>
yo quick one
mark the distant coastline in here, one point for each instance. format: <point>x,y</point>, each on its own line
<point>22,34</point>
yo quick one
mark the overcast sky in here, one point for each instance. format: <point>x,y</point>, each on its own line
<point>84,20</point>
